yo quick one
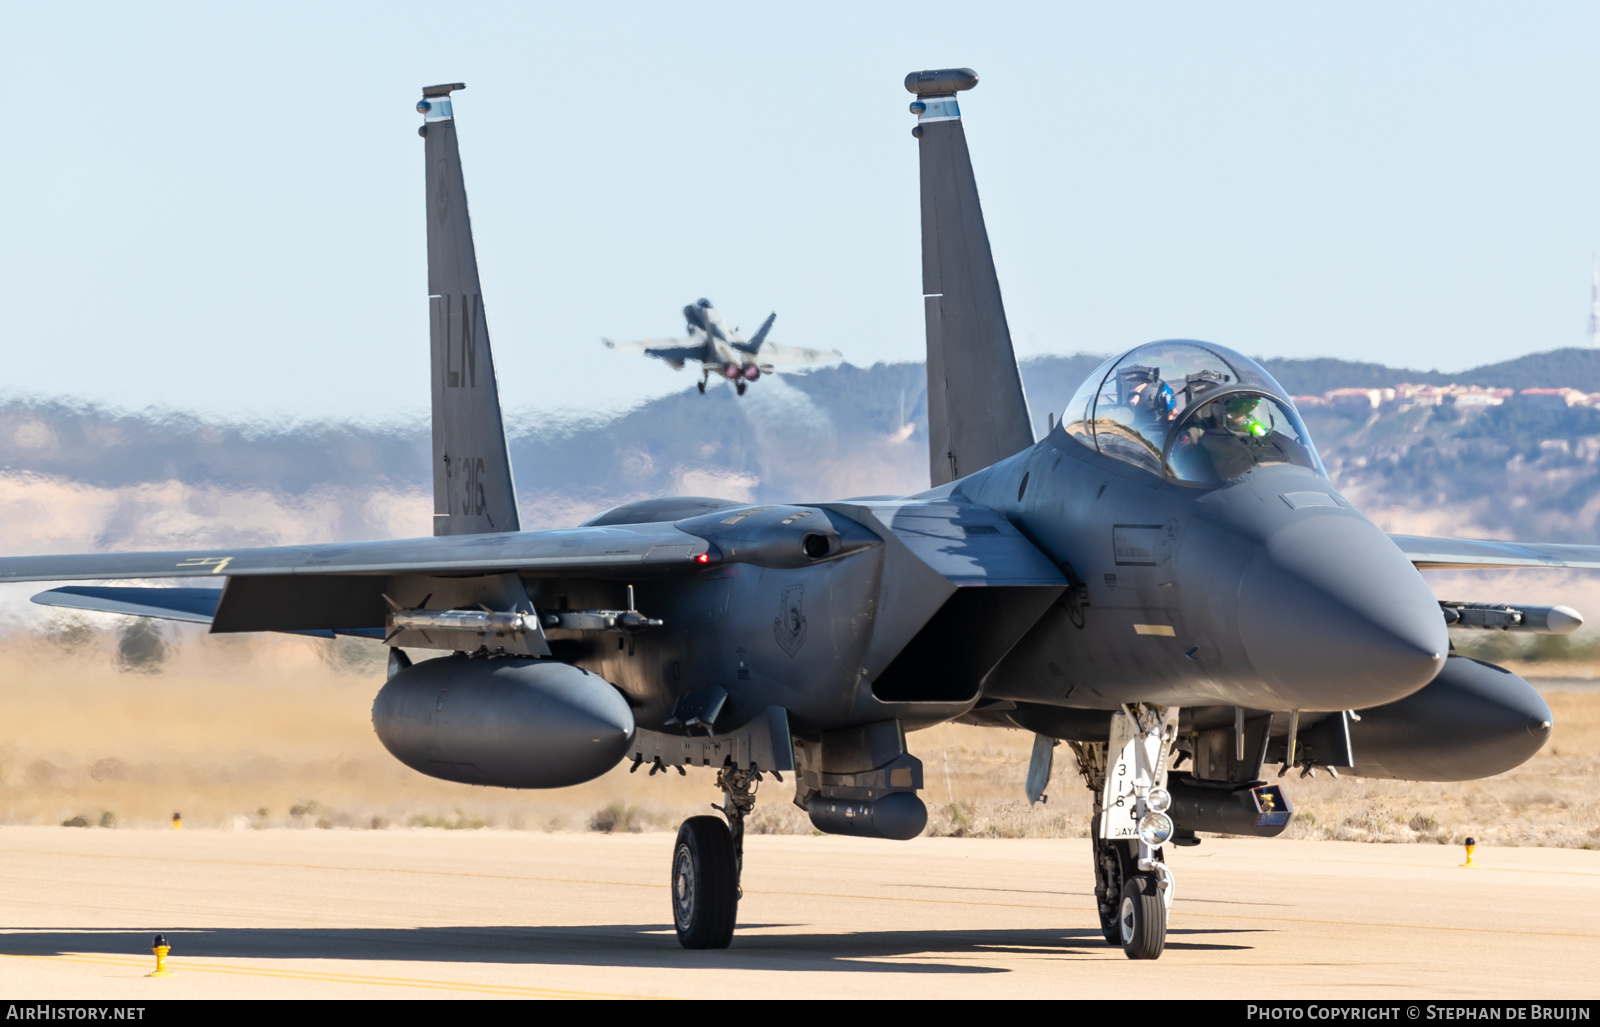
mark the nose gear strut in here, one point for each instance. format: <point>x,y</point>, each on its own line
<point>1133,885</point>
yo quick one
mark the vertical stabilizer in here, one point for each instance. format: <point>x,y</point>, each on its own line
<point>977,413</point>
<point>472,488</point>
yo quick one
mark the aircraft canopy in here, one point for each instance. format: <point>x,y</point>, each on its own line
<point>1197,413</point>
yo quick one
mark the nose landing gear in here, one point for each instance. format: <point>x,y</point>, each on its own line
<point>707,862</point>
<point>1133,885</point>
<point>1142,919</point>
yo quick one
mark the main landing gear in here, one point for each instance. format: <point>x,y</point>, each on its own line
<point>1133,886</point>
<point>706,865</point>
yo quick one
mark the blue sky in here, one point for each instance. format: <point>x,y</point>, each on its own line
<point>219,207</point>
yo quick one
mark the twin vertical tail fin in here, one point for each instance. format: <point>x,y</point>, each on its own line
<point>977,413</point>
<point>472,487</point>
<point>753,346</point>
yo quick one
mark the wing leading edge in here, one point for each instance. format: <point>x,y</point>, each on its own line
<point>1486,554</point>
<point>599,551</point>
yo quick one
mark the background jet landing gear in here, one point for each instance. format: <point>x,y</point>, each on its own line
<point>706,865</point>
<point>739,387</point>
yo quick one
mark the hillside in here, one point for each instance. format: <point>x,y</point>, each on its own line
<point>80,476</point>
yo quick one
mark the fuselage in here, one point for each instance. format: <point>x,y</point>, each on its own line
<point>1270,592</point>
<point>718,353</point>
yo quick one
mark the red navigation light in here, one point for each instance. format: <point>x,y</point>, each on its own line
<point>703,558</point>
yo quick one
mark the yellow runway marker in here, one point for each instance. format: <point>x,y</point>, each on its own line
<point>161,948</point>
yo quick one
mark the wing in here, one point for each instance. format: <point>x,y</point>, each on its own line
<point>790,356</point>
<point>340,588</point>
<point>606,551</point>
<point>192,605</point>
<point>676,352</point>
<point>1465,554</point>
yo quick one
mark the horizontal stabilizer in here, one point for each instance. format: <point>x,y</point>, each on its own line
<point>192,605</point>
<point>195,605</point>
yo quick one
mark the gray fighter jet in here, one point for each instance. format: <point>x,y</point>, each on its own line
<point>721,350</point>
<point>1167,582</point>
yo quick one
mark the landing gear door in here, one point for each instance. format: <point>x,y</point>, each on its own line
<point>1139,744</point>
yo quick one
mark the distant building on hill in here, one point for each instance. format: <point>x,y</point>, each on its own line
<point>1359,402</point>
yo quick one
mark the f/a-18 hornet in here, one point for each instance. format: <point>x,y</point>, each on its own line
<point>722,351</point>
<point>1167,582</point>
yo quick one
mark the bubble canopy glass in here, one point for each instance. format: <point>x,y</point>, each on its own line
<point>1199,414</point>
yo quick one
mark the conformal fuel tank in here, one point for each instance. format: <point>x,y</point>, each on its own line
<point>1472,721</point>
<point>509,721</point>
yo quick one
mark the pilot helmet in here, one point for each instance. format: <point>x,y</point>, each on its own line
<point>1239,415</point>
<point>1153,399</point>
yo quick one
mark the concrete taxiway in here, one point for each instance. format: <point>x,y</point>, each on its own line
<point>427,913</point>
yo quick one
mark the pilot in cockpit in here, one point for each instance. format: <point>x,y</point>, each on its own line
<point>1192,412</point>
<point>1228,437</point>
<point>1147,398</point>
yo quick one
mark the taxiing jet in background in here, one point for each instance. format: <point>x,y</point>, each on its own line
<point>721,351</point>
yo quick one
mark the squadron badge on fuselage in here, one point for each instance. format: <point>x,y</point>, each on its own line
<point>789,626</point>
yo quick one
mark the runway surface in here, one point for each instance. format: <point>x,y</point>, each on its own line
<point>428,913</point>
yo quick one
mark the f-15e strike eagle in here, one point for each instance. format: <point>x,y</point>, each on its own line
<point>721,351</point>
<point>1167,582</point>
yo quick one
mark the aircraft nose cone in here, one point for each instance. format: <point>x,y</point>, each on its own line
<point>1333,616</point>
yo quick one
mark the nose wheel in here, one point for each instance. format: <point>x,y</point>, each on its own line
<point>705,884</point>
<point>1142,919</point>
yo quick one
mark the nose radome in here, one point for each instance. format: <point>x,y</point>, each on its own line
<point>1333,616</point>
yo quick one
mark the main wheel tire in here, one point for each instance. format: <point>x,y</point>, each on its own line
<point>1110,928</point>
<point>705,885</point>
<point>1142,919</point>
<point>1108,877</point>
<point>739,387</point>
<point>702,386</point>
